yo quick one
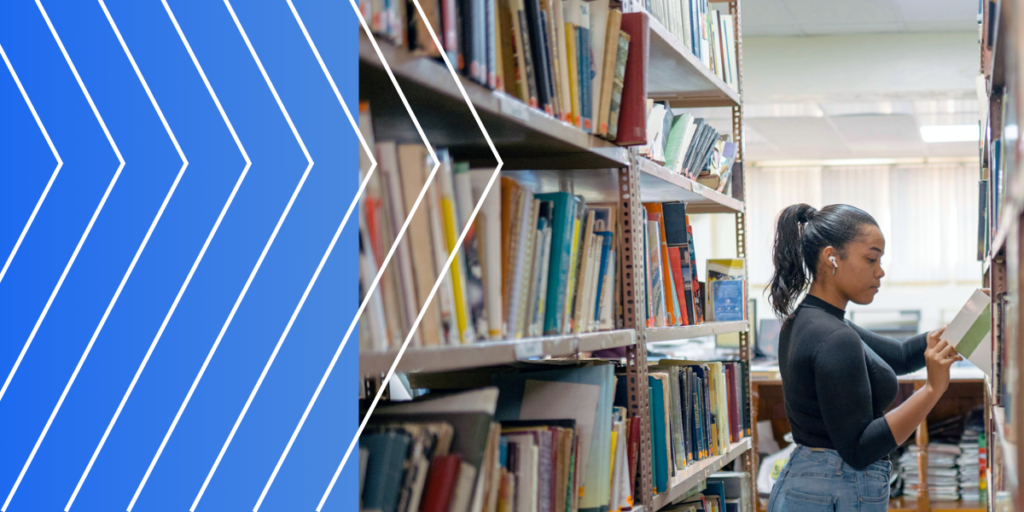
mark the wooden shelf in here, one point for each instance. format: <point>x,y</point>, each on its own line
<point>695,473</point>
<point>659,184</point>
<point>694,331</point>
<point>490,353</point>
<point>676,75</point>
<point>525,137</point>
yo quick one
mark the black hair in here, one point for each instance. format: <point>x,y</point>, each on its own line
<point>801,234</point>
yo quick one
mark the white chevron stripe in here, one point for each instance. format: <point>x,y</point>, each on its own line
<point>195,264</point>
<point>53,176</point>
<point>95,214</point>
<point>255,269</point>
<point>316,274</point>
<point>380,272</point>
<point>447,265</point>
<point>131,267</point>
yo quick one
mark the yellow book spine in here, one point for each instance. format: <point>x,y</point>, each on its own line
<point>567,313</point>
<point>461,315</point>
<point>574,101</point>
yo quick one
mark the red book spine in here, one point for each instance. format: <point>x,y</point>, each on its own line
<point>677,276</point>
<point>633,452</point>
<point>633,107</point>
<point>440,484</point>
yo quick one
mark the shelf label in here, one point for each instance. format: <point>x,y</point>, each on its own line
<point>514,108</point>
<point>698,188</point>
<point>529,349</point>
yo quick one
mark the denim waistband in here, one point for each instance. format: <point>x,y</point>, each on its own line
<point>831,457</point>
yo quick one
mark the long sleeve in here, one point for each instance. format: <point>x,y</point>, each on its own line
<point>844,396</point>
<point>903,356</point>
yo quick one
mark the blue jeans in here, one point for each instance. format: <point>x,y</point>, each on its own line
<point>817,480</point>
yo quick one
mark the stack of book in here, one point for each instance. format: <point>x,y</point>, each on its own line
<point>706,32</point>
<point>675,295</point>
<point>696,412</point>
<point>530,265</point>
<point>943,474</point>
<point>540,438</point>
<point>689,146</point>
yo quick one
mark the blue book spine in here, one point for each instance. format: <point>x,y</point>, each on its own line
<point>563,219</point>
<point>384,470</point>
<point>606,253</point>
<point>658,438</point>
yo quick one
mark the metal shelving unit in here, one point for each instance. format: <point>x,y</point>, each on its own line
<point>572,160</point>
<point>694,331</point>
<point>492,353</point>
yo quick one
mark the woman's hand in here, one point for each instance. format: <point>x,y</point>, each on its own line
<point>939,356</point>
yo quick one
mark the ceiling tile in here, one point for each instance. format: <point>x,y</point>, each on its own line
<point>941,26</point>
<point>758,13</point>
<point>953,149</point>
<point>820,29</point>
<point>841,12</point>
<point>771,30</point>
<point>875,130</point>
<point>937,10</point>
<point>798,132</point>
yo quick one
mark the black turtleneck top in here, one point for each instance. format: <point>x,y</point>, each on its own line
<point>838,380</point>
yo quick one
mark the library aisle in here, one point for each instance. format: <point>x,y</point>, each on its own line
<point>565,240</point>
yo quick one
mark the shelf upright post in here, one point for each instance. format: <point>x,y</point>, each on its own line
<point>631,268</point>
<point>749,459</point>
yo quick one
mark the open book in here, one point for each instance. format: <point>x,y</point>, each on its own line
<point>970,332</point>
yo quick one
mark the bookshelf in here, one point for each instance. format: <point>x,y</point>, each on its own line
<point>680,78</point>
<point>545,154</point>
<point>1000,240</point>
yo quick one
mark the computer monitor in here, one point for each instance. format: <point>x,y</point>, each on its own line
<point>768,338</point>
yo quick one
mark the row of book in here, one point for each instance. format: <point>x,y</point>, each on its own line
<point>724,491</point>
<point>559,262</point>
<point>552,437</point>
<point>564,57</point>
<point>530,265</point>
<point>540,438</point>
<point>709,34</point>
<point>697,411</point>
<point>675,295</point>
<point>688,145</point>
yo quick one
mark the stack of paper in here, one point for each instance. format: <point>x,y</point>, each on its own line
<point>969,463</point>
<point>943,473</point>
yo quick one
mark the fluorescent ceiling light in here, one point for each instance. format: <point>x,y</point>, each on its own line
<point>950,133</point>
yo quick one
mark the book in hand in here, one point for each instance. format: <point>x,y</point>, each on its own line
<point>971,329</point>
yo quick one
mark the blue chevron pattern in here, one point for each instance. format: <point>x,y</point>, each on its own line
<point>175,194</point>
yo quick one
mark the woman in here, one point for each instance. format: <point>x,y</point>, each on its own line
<point>839,379</point>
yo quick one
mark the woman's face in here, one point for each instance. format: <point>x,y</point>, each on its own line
<point>860,273</point>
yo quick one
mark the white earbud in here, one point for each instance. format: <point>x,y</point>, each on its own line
<point>834,264</point>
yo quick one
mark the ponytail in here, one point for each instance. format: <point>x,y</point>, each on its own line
<point>801,234</point>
